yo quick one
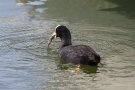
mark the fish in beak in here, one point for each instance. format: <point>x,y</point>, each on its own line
<point>51,38</point>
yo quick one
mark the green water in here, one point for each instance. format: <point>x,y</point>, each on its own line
<point>108,26</point>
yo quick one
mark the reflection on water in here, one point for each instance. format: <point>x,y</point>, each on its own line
<point>27,63</point>
<point>124,7</point>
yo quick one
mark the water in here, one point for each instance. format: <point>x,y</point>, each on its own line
<point>105,25</point>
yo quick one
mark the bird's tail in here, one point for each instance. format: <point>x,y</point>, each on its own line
<point>85,60</point>
<point>94,61</point>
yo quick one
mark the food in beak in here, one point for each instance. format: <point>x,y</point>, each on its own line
<point>51,38</point>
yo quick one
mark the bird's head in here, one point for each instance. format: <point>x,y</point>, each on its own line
<point>62,32</point>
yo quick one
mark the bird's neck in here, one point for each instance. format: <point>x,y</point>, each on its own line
<point>65,42</point>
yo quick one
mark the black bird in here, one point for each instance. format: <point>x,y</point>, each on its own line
<point>78,54</point>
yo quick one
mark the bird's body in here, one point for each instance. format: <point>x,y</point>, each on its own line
<point>78,54</point>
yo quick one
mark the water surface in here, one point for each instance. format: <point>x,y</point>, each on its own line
<point>105,25</point>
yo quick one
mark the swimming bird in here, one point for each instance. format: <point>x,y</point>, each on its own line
<point>77,54</point>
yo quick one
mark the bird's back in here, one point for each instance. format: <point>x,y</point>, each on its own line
<point>79,54</point>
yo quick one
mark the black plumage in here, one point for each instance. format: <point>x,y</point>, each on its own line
<point>78,54</point>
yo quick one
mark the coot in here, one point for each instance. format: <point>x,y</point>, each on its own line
<point>78,54</point>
